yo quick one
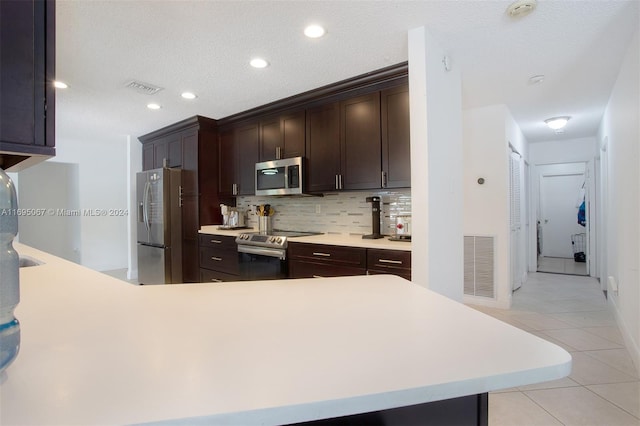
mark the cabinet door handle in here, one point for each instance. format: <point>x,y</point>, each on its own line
<point>278,153</point>
<point>216,241</point>
<point>234,189</point>
<point>337,182</point>
<point>217,259</point>
<point>321,254</point>
<point>215,280</point>
<point>317,276</point>
<point>384,179</point>
<point>396,262</point>
<point>340,180</point>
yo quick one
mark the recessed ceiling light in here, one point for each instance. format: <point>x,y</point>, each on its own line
<point>556,123</point>
<point>153,106</point>
<point>60,85</point>
<point>536,79</point>
<point>314,31</point>
<point>521,8</point>
<point>258,63</point>
<point>188,95</point>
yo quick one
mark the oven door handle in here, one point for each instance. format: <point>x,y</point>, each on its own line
<point>263,251</point>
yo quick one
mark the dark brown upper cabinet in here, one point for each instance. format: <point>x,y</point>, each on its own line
<point>396,152</point>
<point>163,152</point>
<point>227,168</point>
<point>360,144</point>
<point>27,106</point>
<point>323,147</point>
<point>238,155</point>
<point>282,136</point>
<point>246,140</point>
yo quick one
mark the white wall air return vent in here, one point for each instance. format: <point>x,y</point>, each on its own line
<point>479,266</point>
<point>141,87</point>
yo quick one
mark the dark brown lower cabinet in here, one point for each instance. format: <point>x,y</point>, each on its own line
<point>396,262</point>
<point>320,260</point>
<point>218,258</point>
<point>465,410</point>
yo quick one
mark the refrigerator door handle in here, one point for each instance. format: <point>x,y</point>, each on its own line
<point>145,207</point>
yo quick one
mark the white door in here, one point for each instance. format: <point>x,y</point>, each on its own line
<point>515,220</point>
<point>559,195</point>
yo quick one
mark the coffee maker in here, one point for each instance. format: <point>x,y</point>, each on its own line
<point>375,218</point>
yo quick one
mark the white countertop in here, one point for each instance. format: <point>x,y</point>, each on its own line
<point>330,239</point>
<point>96,350</point>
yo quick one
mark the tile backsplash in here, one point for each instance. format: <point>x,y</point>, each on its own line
<point>336,213</point>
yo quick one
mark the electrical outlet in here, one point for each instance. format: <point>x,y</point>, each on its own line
<point>318,209</point>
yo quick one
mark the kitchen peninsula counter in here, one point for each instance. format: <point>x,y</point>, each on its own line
<point>345,240</point>
<point>97,350</point>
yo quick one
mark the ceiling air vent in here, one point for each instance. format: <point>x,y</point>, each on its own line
<point>140,87</point>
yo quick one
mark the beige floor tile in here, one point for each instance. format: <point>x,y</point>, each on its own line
<point>515,409</point>
<point>624,395</point>
<point>600,318</point>
<point>536,321</point>
<point>581,340</point>
<point>580,406</point>
<point>590,371</point>
<point>616,358</point>
<point>610,333</point>
<point>561,383</point>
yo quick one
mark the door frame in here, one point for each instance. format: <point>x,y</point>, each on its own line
<point>592,206</point>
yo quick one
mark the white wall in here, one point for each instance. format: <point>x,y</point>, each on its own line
<point>436,174</point>
<point>102,186</point>
<point>51,189</point>
<point>486,206</point>
<point>563,151</point>
<point>619,135</point>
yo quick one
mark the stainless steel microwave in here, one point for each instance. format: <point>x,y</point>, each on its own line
<point>280,177</point>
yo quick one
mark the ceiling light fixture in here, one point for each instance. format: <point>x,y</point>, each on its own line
<point>314,31</point>
<point>188,95</point>
<point>60,85</point>
<point>259,63</point>
<point>153,106</point>
<point>521,8</point>
<point>557,123</point>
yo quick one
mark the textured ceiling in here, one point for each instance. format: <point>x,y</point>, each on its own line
<point>205,46</point>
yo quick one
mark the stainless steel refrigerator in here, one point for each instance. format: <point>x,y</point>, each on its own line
<point>159,226</point>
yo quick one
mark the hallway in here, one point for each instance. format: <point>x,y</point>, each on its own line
<point>604,386</point>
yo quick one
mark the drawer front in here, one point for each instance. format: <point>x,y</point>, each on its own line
<point>303,269</point>
<point>208,276</point>
<point>217,259</point>
<point>334,255</point>
<point>388,260</point>
<point>220,241</point>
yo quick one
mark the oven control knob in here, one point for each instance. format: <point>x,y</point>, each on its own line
<point>278,240</point>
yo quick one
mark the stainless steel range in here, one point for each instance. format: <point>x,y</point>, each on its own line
<point>263,256</point>
<point>273,244</point>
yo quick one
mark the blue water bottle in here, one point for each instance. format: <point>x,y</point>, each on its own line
<point>9,268</point>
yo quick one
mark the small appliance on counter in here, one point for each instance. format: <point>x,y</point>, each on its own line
<point>232,218</point>
<point>375,218</point>
<point>403,228</point>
